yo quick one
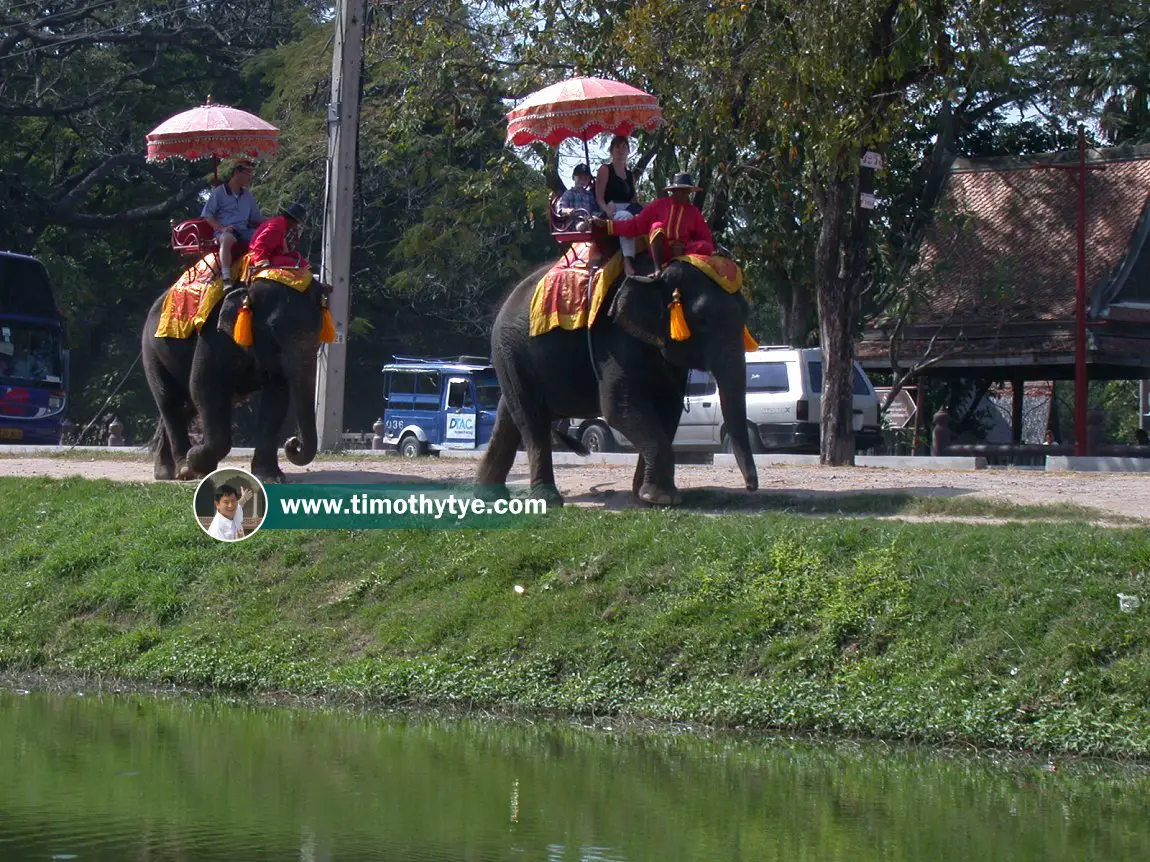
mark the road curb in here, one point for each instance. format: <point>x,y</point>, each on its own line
<point>889,462</point>
<point>1099,464</point>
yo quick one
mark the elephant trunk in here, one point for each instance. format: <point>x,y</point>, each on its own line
<point>300,371</point>
<point>730,370</point>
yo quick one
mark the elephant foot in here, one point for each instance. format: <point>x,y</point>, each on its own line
<point>752,481</point>
<point>270,477</point>
<point>187,474</point>
<point>201,461</point>
<point>654,496</point>
<point>163,472</point>
<point>549,493</point>
<point>489,492</point>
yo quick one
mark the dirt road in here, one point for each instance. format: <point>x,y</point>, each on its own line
<point>1110,494</point>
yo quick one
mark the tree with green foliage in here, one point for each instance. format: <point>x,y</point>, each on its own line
<point>446,217</point>
<point>83,81</point>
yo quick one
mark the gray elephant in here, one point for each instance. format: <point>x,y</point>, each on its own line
<point>627,370</point>
<point>206,374</point>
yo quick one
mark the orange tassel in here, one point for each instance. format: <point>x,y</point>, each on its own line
<point>242,331</point>
<point>327,331</point>
<point>679,329</point>
<point>749,343</point>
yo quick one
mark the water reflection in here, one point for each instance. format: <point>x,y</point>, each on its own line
<point>145,778</point>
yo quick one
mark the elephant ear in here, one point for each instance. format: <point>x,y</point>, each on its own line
<point>640,310</point>
<point>230,307</point>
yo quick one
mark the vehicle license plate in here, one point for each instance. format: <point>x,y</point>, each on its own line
<point>11,434</point>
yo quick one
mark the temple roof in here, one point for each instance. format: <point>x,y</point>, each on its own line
<point>996,276</point>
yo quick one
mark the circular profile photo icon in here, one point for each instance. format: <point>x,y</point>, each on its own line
<point>230,504</point>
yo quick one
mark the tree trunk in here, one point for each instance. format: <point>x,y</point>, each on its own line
<point>840,268</point>
<point>800,315</point>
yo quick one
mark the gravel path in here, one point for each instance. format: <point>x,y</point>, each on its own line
<point>1111,494</point>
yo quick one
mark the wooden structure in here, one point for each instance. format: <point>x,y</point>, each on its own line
<point>996,278</point>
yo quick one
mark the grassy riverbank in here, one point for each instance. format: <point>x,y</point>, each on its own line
<point>1003,636</point>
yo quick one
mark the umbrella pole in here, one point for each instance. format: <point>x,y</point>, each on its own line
<point>215,170</point>
<point>587,157</point>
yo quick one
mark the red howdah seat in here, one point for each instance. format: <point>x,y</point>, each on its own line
<point>561,225</point>
<point>194,237</point>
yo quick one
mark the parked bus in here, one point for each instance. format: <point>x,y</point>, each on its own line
<point>434,404</point>
<point>33,361</point>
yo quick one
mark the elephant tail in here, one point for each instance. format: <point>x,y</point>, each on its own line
<point>158,437</point>
<point>571,443</point>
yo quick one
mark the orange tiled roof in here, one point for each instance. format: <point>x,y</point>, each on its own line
<point>1003,249</point>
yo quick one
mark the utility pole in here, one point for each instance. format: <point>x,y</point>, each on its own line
<point>335,269</point>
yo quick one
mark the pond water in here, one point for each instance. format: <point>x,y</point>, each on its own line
<point>128,777</point>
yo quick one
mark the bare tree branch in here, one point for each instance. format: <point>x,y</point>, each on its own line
<point>131,216</point>
<point>69,200</point>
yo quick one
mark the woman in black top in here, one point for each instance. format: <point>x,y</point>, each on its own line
<point>615,193</point>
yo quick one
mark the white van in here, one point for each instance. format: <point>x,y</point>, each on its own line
<point>784,395</point>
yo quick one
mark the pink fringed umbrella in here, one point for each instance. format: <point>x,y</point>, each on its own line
<point>582,108</point>
<point>212,130</point>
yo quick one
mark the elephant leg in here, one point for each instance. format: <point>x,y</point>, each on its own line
<point>534,424</point>
<point>642,422</point>
<point>211,391</point>
<point>537,438</point>
<point>171,442</point>
<point>274,400</point>
<point>670,411</point>
<point>163,464</point>
<point>527,411</point>
<point>501,449</point>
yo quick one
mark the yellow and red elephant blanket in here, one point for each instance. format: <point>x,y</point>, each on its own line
<point>560,298</point>
<point>721,270</point>
<point>200,288</point>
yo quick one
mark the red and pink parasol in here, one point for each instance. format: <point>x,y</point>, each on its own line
<point>216,131</point>
<point>582,108</point>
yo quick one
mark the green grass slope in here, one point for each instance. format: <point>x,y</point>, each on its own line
<point>1005,636</point>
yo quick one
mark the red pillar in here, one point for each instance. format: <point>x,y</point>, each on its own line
<point>1081,383</point>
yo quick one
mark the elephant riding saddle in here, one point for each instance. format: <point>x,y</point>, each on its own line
<point>189,302</point>
<point>562,297</point>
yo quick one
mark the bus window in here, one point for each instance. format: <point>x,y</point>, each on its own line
<point>427,390</point>
<point>402,393</point>
<point>459,395</point>
<point>487,389</point>
<point>30,354</point>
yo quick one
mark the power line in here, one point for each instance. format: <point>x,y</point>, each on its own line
<point>107,402</point>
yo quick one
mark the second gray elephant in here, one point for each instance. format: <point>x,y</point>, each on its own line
<point>631,373</point>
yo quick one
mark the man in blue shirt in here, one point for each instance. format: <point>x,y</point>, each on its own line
<point>578,202</point>
<point>234,214</point>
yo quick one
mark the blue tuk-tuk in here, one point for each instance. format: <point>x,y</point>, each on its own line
<point>435,404</point>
